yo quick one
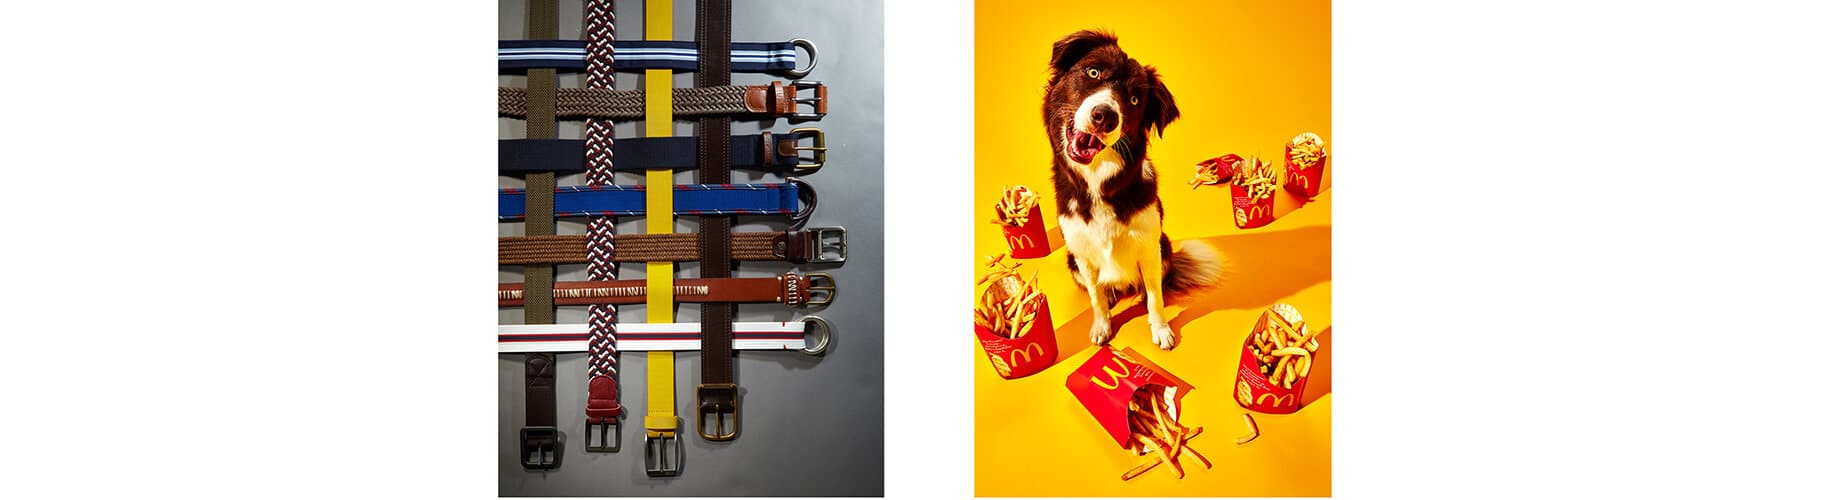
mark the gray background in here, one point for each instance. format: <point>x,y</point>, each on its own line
<point>811,426</point>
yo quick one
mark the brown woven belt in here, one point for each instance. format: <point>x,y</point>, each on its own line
<point>789,288</point>
<point>819,245</point>
<point>774,99</point>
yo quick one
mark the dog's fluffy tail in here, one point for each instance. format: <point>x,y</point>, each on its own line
<point>1195,265</point>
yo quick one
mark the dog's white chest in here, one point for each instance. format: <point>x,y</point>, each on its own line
<point>1108,247</point>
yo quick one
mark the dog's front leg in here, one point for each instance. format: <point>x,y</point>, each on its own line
<point>1101,331</point>
<point>1151,265</point>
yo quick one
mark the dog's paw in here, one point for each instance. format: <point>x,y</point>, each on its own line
<point>1101,332</point>
<point>1163,336</point>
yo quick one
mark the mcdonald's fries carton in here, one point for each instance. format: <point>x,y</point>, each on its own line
<point>1275,362</point>
<point>1025,355</point>
<point>1030,240</point>
<point>1106,383</point>
<point>1304,158</point>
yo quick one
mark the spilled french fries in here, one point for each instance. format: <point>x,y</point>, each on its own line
<point>1009,306</point>
<point>1156,433</point>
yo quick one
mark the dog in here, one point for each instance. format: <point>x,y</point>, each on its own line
<point>1099,107</point>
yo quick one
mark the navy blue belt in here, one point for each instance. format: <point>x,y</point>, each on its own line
<point>641,55</point>
<point>766,151</point>
<point>689,199</point>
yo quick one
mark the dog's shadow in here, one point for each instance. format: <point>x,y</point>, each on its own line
<point>1256,270</point>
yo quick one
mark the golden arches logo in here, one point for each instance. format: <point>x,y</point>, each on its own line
<point>1026,356</point>
<point>1114,374</point>
<point>1276,400</point>
<point>1020,241</point>
<point>1261,210</point>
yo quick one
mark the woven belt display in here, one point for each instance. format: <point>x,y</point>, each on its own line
<point>641,55</point>
<point>814,244</point>
<point>774,99</point>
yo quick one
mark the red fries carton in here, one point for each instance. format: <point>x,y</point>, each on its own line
<point>1305,182</point>
<point>1256,391</point>
<point>1030,240</point>
<point>1108,380</point>
<point>1249,213</point>
<point>1021,356</point>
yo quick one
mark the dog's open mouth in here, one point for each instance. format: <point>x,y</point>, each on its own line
<point>1082,146</point>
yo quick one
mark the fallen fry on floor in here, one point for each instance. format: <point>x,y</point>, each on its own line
<point>1251,425</point>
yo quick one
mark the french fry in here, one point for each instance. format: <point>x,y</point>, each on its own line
<point>1013,208</point>
<point>1250,425</point>
<point>1155,432</point>
<point>1010,304</point>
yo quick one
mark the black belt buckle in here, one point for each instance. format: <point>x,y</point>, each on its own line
<point>654,455</point>
<point>804,192</point>
<point>609,436</point>
<point>818,148</point>
<point>821,282</point>
<point>718,411</point>
<point>538,443</point>
<point>818,101</point>
<point>821,244</point>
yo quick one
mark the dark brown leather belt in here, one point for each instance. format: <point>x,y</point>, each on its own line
<point>717,390</point>
<point>817,245</point>
<point>789,288</point>
<point>777,99</point>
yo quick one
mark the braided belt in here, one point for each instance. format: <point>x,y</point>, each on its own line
<point>601,406</point>
<point>792,289</point>
<point>772,100</point>
<point>819,245</point>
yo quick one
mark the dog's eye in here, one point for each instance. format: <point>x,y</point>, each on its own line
<point>1133,100</point>
<point>1093,73</point>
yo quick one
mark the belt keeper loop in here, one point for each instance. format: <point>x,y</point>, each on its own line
<point>768,149</point>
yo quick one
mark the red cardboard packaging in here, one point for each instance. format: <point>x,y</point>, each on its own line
<point>1030,240</point>
<point>1304,182</point>
<point>1253,391</point>
<point>1108,380</point>
<point>1022,356</point>
<point>1249,213</point>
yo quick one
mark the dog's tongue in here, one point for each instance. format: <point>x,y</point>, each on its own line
<point>1084,146</point>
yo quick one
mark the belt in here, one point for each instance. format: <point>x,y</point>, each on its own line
<point>777,99</point>
<point>640,55</point>
<point>660,425</point>
<point>603,411</point>
<point>810,289</point>
<point>542,446</point>
<point>818,245</point>
<point>765,151</point>
<point>717,390</point>
<point>688,199</point>
<point>642,337</point>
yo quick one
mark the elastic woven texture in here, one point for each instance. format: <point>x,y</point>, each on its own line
<point>552,249</point>
<point>627,104</point>
<point>600,145</point>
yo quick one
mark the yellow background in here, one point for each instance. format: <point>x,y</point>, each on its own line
<point>1247,76</point>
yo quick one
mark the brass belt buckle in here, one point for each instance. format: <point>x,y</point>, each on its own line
<point>818,101</point>
<point>654,455</point>
<point>818,148</point>
<point>717,412</point>
<point>804,192</point>
<point>608,429</point>
<point>538,444</point>
<point>822,331</point>
<point>820,244</point>
<point>821,282</point>
<point>813,58</point>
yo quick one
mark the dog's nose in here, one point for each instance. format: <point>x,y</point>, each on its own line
<point>1104,118</point>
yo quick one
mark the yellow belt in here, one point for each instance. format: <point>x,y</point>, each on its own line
<point>661,422</point>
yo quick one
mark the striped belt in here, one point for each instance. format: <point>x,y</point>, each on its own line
<point>642,337</point>
<point>642,55</point>
<point>688,199</point>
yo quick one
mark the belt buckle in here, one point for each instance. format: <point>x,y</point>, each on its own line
<point>831,287</point>
<point>717,433</point>
<point>804,192</point>
<point>818,101</point>
<point>820,244</point>
<point>608,429</point>
<point>654,449</point>
<point>537,444</point>
<point>813,58</point>
<point>822,331</point>
<point>818,148</point>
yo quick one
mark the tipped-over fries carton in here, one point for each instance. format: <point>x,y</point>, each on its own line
<point>1277,386</point>
<point>1304,180</point>
<point>1030,240</point>
<point>1022,356</point>
<point>1106,383</point>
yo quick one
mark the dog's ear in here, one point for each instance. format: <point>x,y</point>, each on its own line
<point>1162,106</point>
<point>1069,50</point>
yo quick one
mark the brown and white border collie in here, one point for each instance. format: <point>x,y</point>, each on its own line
<point>1100,106</point>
